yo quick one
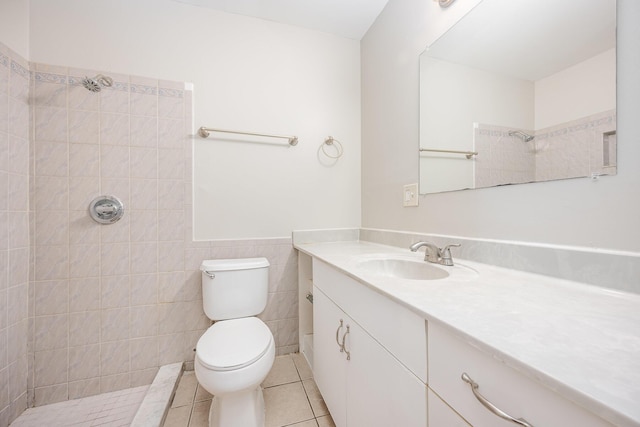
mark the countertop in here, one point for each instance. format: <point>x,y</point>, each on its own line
<point>580,340</point>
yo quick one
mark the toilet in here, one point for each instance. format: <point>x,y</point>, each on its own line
<point>235,355</point>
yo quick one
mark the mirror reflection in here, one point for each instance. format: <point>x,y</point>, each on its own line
<point>519,91</point>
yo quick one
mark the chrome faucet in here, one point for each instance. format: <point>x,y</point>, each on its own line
<point>434,254</point>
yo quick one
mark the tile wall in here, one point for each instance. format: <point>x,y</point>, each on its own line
<point>573,149</point>
<point>110,303</point>
<point>14,232</point>
<point>502,159</point>
<point>87,308</point>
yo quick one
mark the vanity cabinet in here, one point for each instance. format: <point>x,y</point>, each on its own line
<point>363,382</point>
<point>531,353</point>
<point>511,391</point>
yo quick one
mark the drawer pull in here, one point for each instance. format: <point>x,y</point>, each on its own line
<point>344,337</point>
<point>337,339</point>
<point>490,406</point>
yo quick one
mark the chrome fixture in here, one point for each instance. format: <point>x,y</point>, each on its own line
<point>97,83</point>
<point>522,135</point>
<point>490,406</point>
<point>331,141</point>
<point>205,131</point>
<point>338,335</point>
<point>435,254</point>
<point>106,209</point>
<point>467,154</point>
<point>342,345</point>
<point>445,3</point>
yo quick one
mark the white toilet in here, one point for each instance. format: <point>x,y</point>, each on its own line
<point>235,355</point>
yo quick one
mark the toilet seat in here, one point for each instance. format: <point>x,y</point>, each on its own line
<point>233,344</point>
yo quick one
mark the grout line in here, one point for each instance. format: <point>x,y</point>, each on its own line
<point>309,400</point>
<point>278,385</point>
<point>193,405</point>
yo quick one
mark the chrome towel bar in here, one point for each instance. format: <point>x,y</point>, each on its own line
<point>205,131</point>
<point>467,154</point>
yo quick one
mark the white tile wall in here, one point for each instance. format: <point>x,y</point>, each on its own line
<point>14,233</point>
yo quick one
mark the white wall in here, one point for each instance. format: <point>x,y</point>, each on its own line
<point>584,89</point>
<point>466,95</point>
<point>602,213</point>
<point>452,98</point>
<point>14,25</point>
<point>248,74</point>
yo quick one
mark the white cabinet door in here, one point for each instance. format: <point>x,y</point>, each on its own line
<point>381,392</point>
<point>329,364</point>
<point>441,414</point>
<point>363,385</point>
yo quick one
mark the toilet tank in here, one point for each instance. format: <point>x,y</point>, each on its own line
<point>234,288</point>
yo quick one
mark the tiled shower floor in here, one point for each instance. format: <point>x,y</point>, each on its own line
<point>290,395</point>
<point>109,409</point>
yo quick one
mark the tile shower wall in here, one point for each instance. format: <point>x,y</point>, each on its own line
<point>88,308</point>
<point>14,233</point>
<point>570,150</point>
<point>502,159</point>
<point>577,148</point>
<point>98,321</point>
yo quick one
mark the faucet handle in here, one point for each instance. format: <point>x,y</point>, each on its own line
<point>445,254</point>
<point>453,245</point>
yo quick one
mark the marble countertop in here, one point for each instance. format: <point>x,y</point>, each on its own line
<point>579,340</point>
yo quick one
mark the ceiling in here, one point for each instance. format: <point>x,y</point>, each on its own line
<point>344,18</point>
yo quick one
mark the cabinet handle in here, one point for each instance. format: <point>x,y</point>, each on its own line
<point>490,406</point>
<point>337,339</point>
<point>344,337</point>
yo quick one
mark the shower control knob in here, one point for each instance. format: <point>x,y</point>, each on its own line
<point>106,209</point>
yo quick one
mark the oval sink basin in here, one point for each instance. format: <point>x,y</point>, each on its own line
<point>403,269</point>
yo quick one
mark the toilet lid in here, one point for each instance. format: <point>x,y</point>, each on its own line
<point>233,344</point>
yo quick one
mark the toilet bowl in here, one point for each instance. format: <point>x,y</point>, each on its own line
<point>232,358</point>
<point>235,355</point>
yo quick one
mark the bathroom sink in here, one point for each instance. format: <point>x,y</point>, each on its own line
<point>410,269</point>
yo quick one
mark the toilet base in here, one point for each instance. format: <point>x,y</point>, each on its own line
<point>238,409</point>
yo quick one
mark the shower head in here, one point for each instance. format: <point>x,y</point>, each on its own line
<point>95,84</point>
<point>524,136</point>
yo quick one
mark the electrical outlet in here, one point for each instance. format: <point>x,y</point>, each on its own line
<point>410,195</point>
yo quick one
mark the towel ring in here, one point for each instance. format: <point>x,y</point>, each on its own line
<point>332,141</point>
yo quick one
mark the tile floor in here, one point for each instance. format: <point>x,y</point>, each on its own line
<point>290,395</point>
<point>108,409</point>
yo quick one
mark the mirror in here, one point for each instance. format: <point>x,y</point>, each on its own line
<point>519,91</point>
